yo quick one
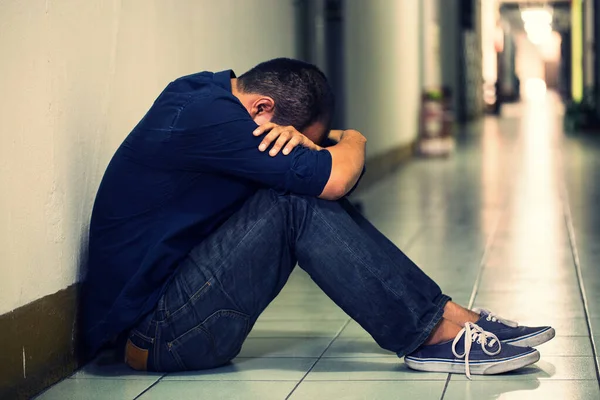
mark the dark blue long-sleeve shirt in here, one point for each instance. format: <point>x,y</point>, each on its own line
<point>186,167</point>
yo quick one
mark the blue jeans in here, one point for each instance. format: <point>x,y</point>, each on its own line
<point>220,289</point>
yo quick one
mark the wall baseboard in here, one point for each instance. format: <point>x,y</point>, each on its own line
<point>38,344</point>
<point>379,166</point>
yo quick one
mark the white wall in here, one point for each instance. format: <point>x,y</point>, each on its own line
<point>430,28</point>
<point>489,33</point>
<point>382,71</point>
<point>75,77</point>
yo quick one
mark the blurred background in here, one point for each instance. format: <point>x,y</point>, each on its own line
<point>481,116</point>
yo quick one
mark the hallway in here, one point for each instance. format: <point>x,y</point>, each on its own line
<point>508,223</point>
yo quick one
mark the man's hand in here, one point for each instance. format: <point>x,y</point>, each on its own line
<point>336,135</point>
<point>286,136</point>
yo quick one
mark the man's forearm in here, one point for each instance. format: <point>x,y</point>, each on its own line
<point>348,160</point>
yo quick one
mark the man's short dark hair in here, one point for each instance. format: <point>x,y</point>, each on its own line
<point>300,90</point>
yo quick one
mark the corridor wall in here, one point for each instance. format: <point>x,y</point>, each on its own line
<point>383,72</point>
<point>75,77</point>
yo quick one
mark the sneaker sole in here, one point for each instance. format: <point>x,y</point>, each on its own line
<point>533,340</point>
<point>477,368</point>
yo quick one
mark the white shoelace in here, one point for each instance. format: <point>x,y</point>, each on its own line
<point>495,318</point>
<point>473,333</point>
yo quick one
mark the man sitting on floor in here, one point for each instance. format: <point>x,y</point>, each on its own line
<point>219,191</point>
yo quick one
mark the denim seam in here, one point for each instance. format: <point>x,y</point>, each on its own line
<point>353,253</point>
<point>440,303</point>
<point>189,301</point>
<point>176,357</point>
<point>159,326</point>
<point>156,347</point>
<point>215,273</point>
<point>224,260</point>
<point>139,334</point>
<point>411,284</point>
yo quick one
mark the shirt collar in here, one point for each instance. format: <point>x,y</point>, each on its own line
<point>223,78</point>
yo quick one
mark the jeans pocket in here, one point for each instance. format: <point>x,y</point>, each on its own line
<point>140,340</point>
<point>137,350</point>
<point>216,341</point>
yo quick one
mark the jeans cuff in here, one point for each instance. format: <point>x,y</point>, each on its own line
<point>440,304</point>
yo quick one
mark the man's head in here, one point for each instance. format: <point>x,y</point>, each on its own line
<point>288,92</point>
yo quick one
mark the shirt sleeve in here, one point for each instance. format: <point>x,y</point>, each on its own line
<point>217,138</point>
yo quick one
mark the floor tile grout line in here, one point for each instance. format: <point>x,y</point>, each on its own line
<point>149,387</point>
<point>505,379</point>
<point>373,380</point>
<point>318,358</point>
<point>477,282</point>
<point>484,256</point>
<point>577,264</point>
<point>446,384</point>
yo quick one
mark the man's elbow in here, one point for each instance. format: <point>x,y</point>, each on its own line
<point>334,190</point>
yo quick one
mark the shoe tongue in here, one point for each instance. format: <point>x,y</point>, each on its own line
<point>460,346</point>
<point>482,316</point>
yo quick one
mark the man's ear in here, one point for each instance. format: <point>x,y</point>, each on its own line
<point>263,108</point>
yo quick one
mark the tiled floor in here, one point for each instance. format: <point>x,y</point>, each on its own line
<point>509,222</point>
